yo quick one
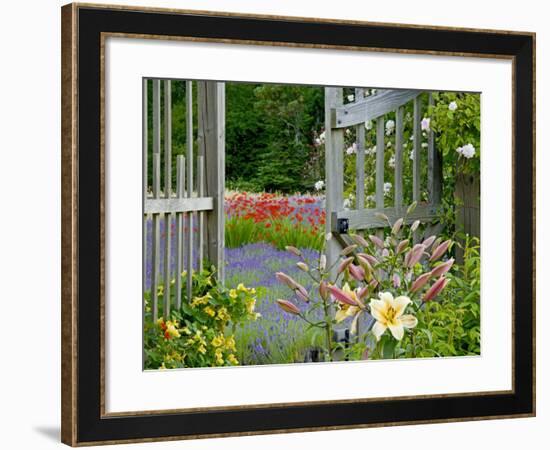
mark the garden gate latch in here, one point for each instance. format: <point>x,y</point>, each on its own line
<point>342,226</point>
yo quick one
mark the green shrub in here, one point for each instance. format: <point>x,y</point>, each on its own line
<point>201,333</point>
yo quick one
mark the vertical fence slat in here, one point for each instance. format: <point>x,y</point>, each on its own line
<point>360,158</point>
<point>398,178</point>
<point>156,237</point>
<point>211,138</point>
<point>155,231</point>
<point>200,188</point>
<point>167,192</point>
<point>189,125</point>
<point>334,161</point>
<point>180,191</point>
<point>417,134</point>
<point>434,167</point>
<point>380,162</point>
<point>156,116</point>
<point>145,150</point>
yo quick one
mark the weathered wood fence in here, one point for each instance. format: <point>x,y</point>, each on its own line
<point>338,117</point>
<point>192,209</point>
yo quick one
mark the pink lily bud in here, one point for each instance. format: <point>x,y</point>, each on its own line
<point>344,264</point>
<point>385,253</point>
<point>288,306</point>
<point>373,284</point>
<point>284,278</point>
<point>357,272</point>
<point>302,266</point>
<point>348,250</point>
<point>428,241</point>
<point>363,261</point>
<point>436,243</point>
<point>412,207</point>
<point>443,268</point>
<point>294,250</point>
<point>366,267</point>
<point>402,246</point>
<point>363,292</point>
<point>414,255</point>
<point>440,250</point>
<point>303,292</point>
<point>302,296</point>
<point>415,225</point>
<point>396,280</point>
<point>360,240</point>
<point>341,296</point>
<point>381,216</point>
<point>371,259</point>
<point>376,241</point>
<point>323,290</point>
<point>420,281</point>
<point>436,288</point>
<point>397,226</point>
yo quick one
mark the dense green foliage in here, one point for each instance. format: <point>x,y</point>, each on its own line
<point>269,134</point>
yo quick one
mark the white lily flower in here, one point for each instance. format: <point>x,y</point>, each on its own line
<point>388,313</point>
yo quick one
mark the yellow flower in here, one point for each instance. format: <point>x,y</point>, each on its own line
<point>388,313</point>
<point>160,290</point>
<point>233,293</point>
<point>186,330</point>
<point>218,341</point>
<point>230,343</point>
<point>171,329</point>
<point>208,310</point>
<point>250,305</point>
<point>223,315</point>
<point>202,349</point>
<point>201,300</point>
<point>219,357</point>
<point>231,358</point>
<point>241,287</point>
<point>162,367</point>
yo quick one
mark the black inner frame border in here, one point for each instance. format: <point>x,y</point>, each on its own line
<point>91,426</point>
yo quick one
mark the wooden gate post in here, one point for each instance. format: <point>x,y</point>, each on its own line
<point>334,168</point>
<point>211,141</point>
<point>467,218</point>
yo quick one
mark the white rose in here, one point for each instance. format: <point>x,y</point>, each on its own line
<point>425,124</point>
<point>390,126</point>
<point>468,151</point>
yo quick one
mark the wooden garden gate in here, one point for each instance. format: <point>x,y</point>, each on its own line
<point>338,117</point>
<point>191,210</point>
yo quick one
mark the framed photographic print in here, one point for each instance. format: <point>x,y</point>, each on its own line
<point>281,224</point>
